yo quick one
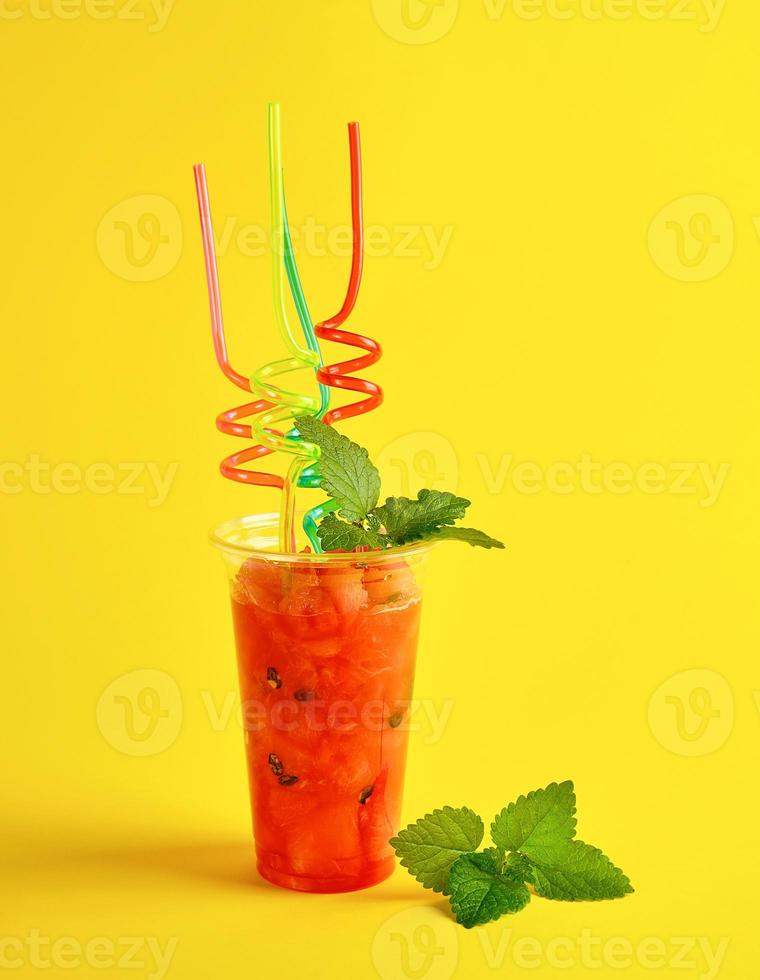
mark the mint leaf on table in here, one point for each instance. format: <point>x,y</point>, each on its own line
<point>535,846</point>
<point>429,847</point>
<point>347,474</point>
<point>408,520</point>
<point>480,892</point>
<point>580,872</point>
<point>337,535</point>
<point>468,534</point>
<point>539,824</point>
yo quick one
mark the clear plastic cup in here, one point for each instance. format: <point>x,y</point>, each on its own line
<point>326,648</point>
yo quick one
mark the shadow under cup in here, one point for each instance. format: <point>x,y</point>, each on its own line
<point>326,648</point>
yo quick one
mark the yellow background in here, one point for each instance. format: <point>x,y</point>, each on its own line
<point>576,309</point>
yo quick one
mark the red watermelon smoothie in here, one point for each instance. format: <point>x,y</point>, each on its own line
<point>326,648</point>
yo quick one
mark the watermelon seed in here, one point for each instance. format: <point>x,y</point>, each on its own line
<point>365,794</point>
<point>273,678</point>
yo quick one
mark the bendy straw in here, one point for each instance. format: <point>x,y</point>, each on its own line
<point>287,405</point>
<point>277,407</point>
<point>339,375</point>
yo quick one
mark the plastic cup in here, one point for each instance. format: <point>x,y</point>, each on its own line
<point>326,648</point>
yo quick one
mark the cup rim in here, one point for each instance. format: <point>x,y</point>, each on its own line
<point>221,537</point>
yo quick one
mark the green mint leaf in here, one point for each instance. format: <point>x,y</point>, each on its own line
<point>476,538</point>
<point>497,855</point>
<point>480,892</point>
<point>539,824</point>
<point>429,847</point>
<point>535,846</point>
<point>346,472</point>
<point>337,535</point>
<point>408,520</point>
<point>513,865</point>
<point>579,873</point>
<point>518,867</point>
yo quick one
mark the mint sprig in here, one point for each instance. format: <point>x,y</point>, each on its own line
<point>535,849</point>
<point>352,480</point>
<point>346,472</point>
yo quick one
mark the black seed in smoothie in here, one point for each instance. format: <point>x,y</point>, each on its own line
<point>304,695</point>
<point>273,678</point>
<point>365,794</point>
<point>288,780</point>
<point>275,765</point>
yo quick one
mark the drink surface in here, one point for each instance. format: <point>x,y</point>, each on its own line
<point>326,660</point>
